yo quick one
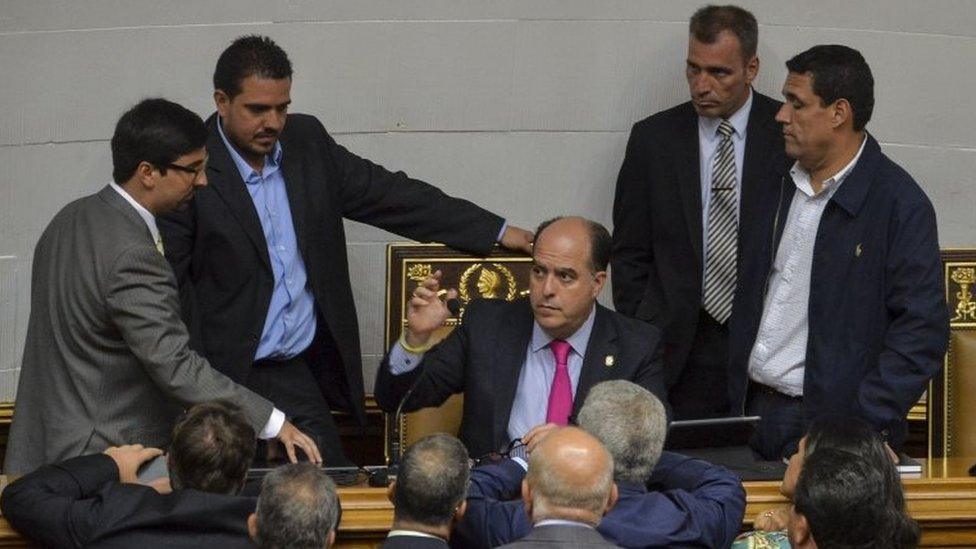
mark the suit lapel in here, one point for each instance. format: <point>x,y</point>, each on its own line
<point>756,160</point>
<point>514,335</point>
<point>291,166</point>
<point>689,186</point>
<point>225,179</point>
<point>602,344</point>
<point>110,195</point>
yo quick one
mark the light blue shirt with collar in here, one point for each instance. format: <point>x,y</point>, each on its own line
<point>708,142</point>
<point>290,325</point>
<point>535,378</point>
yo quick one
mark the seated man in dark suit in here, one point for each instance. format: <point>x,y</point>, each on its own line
<point>96,500</point>
<point>693,503</point>
<point>567,491</point>
<point>846,500</point>
<point>528,362</point>
<point>428,494</point>
<point>298,507</point>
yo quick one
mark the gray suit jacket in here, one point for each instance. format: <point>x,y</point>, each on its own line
<point>106,360</point>
<point>558,535</point>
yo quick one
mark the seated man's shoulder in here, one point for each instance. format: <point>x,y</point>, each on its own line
<point>632,326</point>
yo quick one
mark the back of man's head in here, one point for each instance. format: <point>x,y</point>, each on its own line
<point>570,477</point>
<point>432,482</point>
<point>630,422</point>
<point>156,131</point>
<point>298,509</point>
<point>842,501</point>
<point>213,445</point>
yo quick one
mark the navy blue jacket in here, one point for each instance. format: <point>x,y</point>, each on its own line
<point>878,322</point>
<point>698,505</point>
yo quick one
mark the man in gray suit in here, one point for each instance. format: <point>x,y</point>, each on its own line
<point>568,489</point>
<point>106,362</point>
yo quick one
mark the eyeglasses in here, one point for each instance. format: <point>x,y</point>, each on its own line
<point>500,455</point>
<point>186,169</point>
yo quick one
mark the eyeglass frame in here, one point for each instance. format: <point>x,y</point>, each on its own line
<point>186,169</point>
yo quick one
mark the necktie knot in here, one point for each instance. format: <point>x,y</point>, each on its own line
<point>725,129</point>
<point>560,350</point>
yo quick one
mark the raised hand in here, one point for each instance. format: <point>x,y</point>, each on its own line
<point>128,458</point>
<point>426,311</point>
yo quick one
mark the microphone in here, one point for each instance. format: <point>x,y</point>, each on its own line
<point>454,306</point>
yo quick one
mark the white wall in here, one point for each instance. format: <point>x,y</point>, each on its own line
<point>522,106</point>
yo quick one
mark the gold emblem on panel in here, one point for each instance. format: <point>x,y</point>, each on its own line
<point>965,310</point>
<point>419,272</point>
<point>489,281</point>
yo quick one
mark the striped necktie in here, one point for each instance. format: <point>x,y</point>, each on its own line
<point>723,229</point>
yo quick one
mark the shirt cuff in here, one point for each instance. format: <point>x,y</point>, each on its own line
<point>403,361</point>
<point>273,426</point>
<point>521,462</point>
<point>501,233</point>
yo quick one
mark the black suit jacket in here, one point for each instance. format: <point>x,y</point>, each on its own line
<point>220,256</point>
<point>80,503</point>
<point>482,358</point>
<point>657,218</point>
<point>413,542</point>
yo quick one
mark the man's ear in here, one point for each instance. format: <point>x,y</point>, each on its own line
<point>330,541</point>
<point>144,175</point>
<point>599,281</point>
<point>752,69</point>
<point>798,530</point>
<point>252,527</point>
<point>461,509</point>
<point>841,113</point>
<point>391,491</point>
<point>612,500</point>
<point>222,102</point>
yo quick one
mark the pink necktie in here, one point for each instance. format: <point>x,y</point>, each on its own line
<point>561,392</point>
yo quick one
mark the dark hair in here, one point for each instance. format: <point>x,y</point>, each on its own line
<point>156,131</point>
<point>845,499</point>
<point>432,481</point>
<point>251,55</point>
<point>213,445</point>
<point>838,72</point>
<point>297,508</point>
<point>600,241</point>
<point>708,22</point>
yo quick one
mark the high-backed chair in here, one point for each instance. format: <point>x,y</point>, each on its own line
<point>951,404</point>
<point>503,275</point>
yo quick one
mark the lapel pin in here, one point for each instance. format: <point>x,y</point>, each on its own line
<point>608,361</point>
<point>857,250</point>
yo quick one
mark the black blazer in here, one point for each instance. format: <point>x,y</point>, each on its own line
<point>483,357</point>
<point>560,535</point>
<point>218,251</point>
<point>657,217</point>
<point>80,503</point>
<point>413,542</point>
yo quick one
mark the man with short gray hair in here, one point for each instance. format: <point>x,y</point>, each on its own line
<point>298,509</point>
<point>694,503</point>
<point>428,494</point>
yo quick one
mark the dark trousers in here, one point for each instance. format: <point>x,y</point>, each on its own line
<point>781,428</point>
<point>701,389</point>
<point>290,384</point>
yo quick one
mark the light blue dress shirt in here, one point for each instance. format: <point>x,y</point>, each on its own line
<point>290,325</point>
<point>535,378</point>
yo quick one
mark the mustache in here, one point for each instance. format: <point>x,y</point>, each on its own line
<point>266,134</point>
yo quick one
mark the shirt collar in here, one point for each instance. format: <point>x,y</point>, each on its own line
<point>412,533</point>
<point>578,341</point>
<point>801,177</point>
<point>249,174</point>
<point>563,522</point>
<point>145,214</point>
<point>739,121</point>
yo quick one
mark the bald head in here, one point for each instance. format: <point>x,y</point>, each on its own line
<point>570,477</point>
<point>569,262</point>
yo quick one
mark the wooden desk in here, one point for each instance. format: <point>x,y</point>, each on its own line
<point>943,501</point>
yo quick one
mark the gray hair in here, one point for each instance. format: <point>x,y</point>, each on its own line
<point>297,508</point>
<point>432,481</point>
<point>630,422</point>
